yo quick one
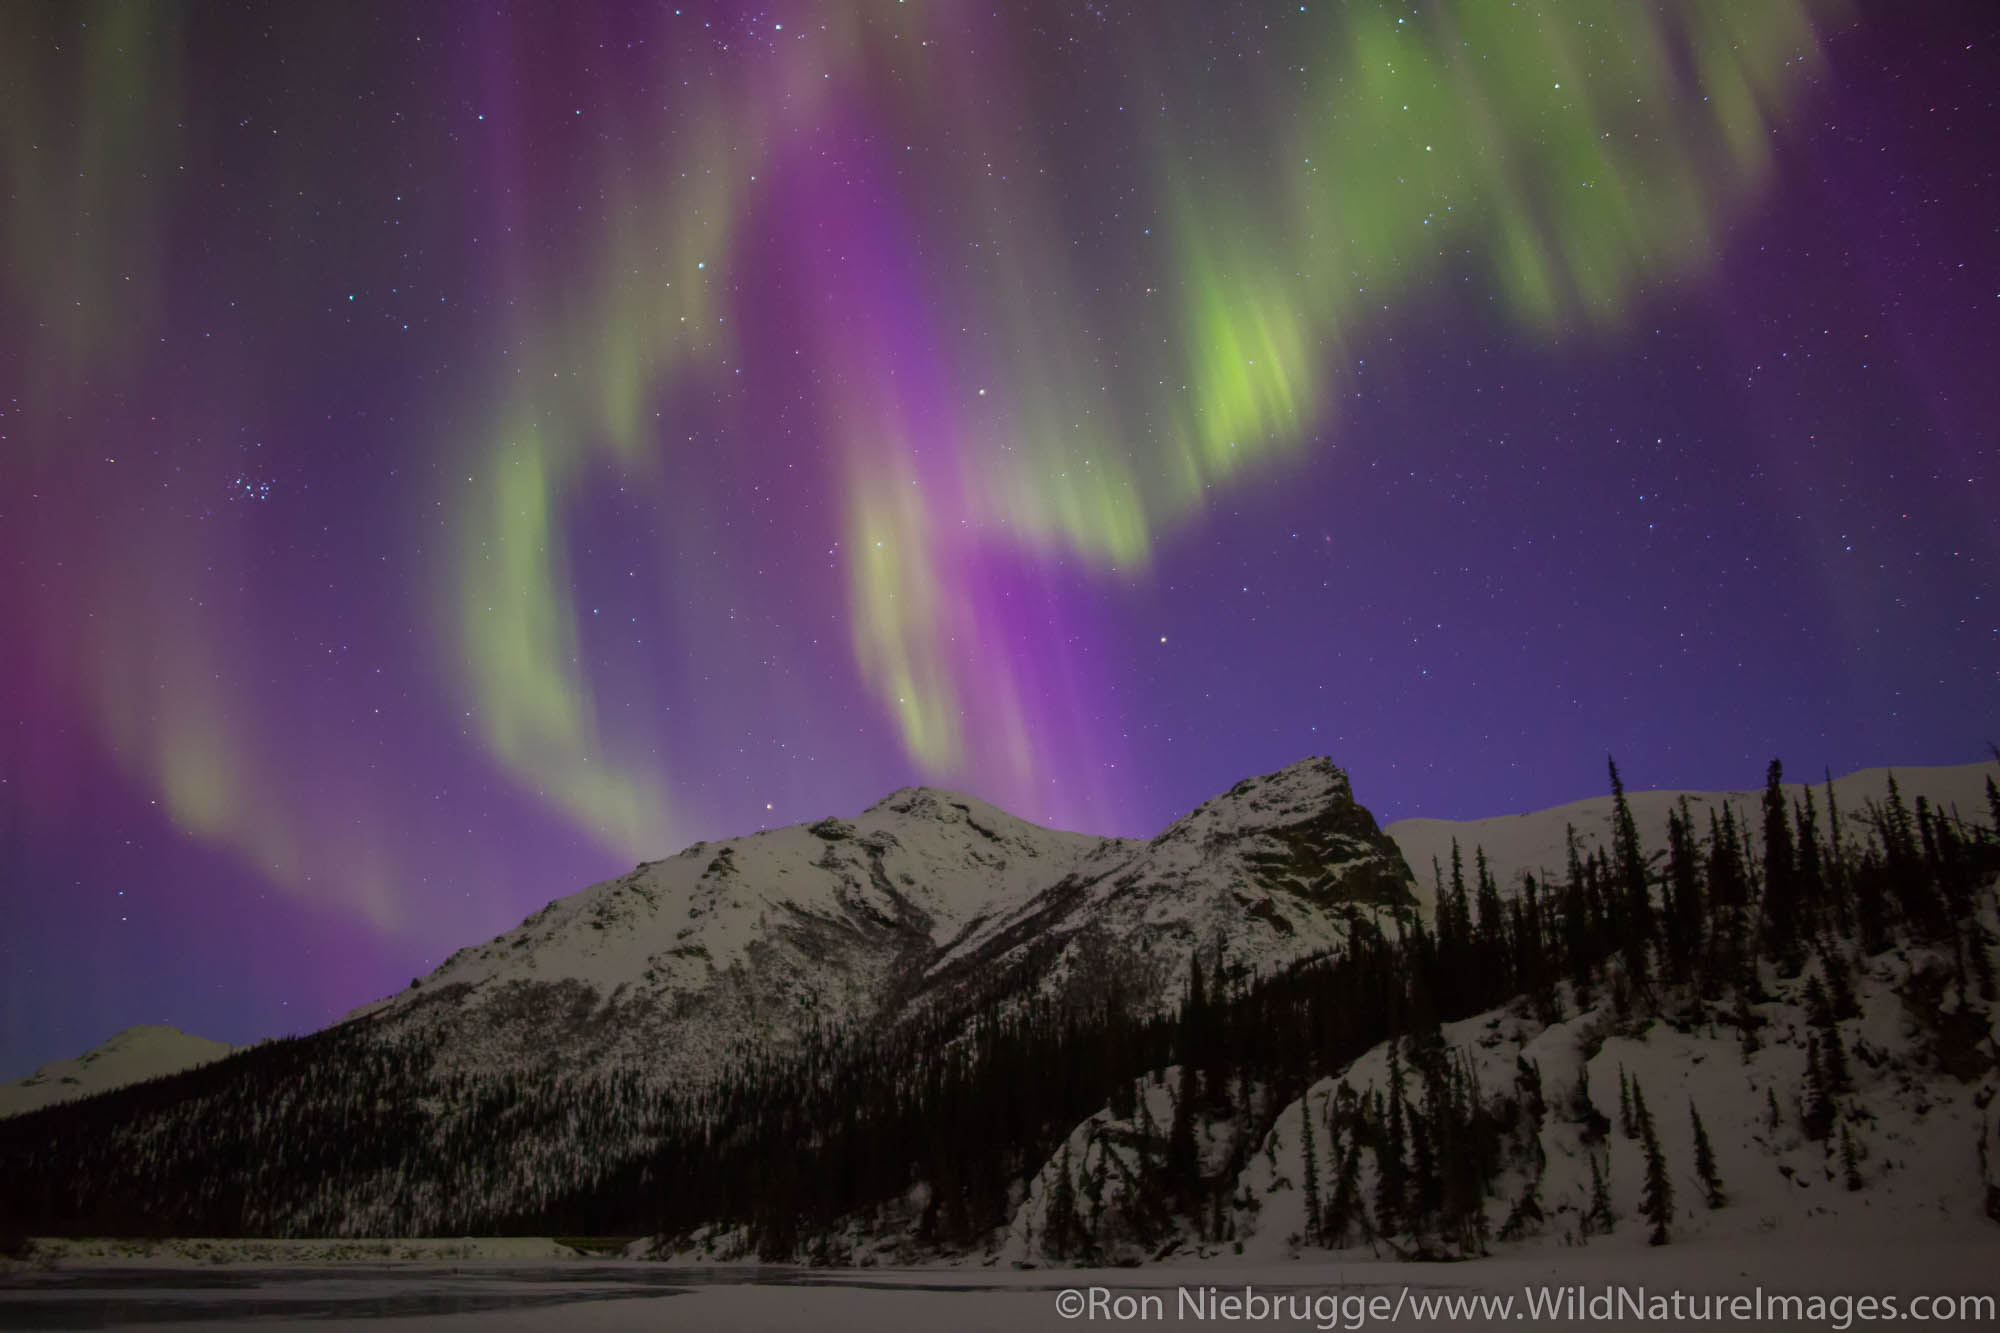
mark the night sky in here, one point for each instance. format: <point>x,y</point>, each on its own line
<point>451,452</point>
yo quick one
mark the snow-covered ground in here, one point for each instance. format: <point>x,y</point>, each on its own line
<point>1826,1258</point>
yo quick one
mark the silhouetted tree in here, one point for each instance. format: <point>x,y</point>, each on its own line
<point>1704,1161</point>
<point>1656,1204</point>
<point>1306,1147</point>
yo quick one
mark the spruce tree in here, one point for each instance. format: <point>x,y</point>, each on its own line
<point>1579,954</point>
<point>1626,1124</point>
<point>1834,1078</point>
<point>1704,1161</point>
<point>1850,1160</point>
<point>1839,986</point>
<point>1833,1062</point>
<point>1840,908</point>
<point>1454,938</point>
<point>1391,1168</point>
<point>1982,961</point>
<point>1217,1058</point>
<point>1811,876</point>
<point>1495,984</point>
<point>1059,1221</point>
<point>1146,1174</point>
<point>1121,1100</point>
<point>1344,1210</point>
<point>1306,1147</point>
<point>1634,898</point>
<point>1871,904</point>
<point>1601,1214</point>
<point>1425,1191</point>
<point>1684,906</point>
<point>1728,893</point>
<point>1899,841</point>
<point>1583,1111</point>
<point>1819,1005</point>
<point>1183,1159</point>
<point>1816,1119</point>
<point>1657,1202</point>
<point>1781,889</point>
<point>1727,884</point>
<point>1094,1191</point>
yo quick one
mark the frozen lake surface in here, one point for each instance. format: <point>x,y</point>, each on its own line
<point>617,1296</point>
<point>113,1297</point>
<point>188,1296</point>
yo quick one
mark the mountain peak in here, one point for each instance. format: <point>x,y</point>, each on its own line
<point>132,1056</point>
<point>1310,786</point>
<point>1314,777</point>
<point>1299,828</point>
<point>924,803</point>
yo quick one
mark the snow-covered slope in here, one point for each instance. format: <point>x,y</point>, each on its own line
<point>1916,1130</point>
<point>680,964</point>
<point>1913,1139</point>
<point>133,1056</point>
<point>1912,1143</point>
<point>1535,843</point>
<point>927,898</point>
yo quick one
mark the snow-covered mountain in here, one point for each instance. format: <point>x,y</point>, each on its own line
<point>926,898</point>
<point>685,1002</point>
<point>676,965</point>
<point>1258,878</point>
<point>134,1055</point>
<point>934,1030</point>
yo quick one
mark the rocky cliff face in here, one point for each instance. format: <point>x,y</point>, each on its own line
<point>1256,879</point>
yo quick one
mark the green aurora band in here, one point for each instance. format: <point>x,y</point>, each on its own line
<point>1566,154</point>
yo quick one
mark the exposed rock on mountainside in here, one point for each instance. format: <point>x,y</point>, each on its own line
<point>1259,877</point>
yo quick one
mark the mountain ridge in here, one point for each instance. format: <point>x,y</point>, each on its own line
<point>862,1062</point>
<point>1529,841</point>
<point>918,902</point>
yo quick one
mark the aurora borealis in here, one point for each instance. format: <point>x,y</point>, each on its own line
<point>453,451</point>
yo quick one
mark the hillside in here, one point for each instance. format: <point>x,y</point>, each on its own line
<point>1710,1041</point>
<point>132,1056</point>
